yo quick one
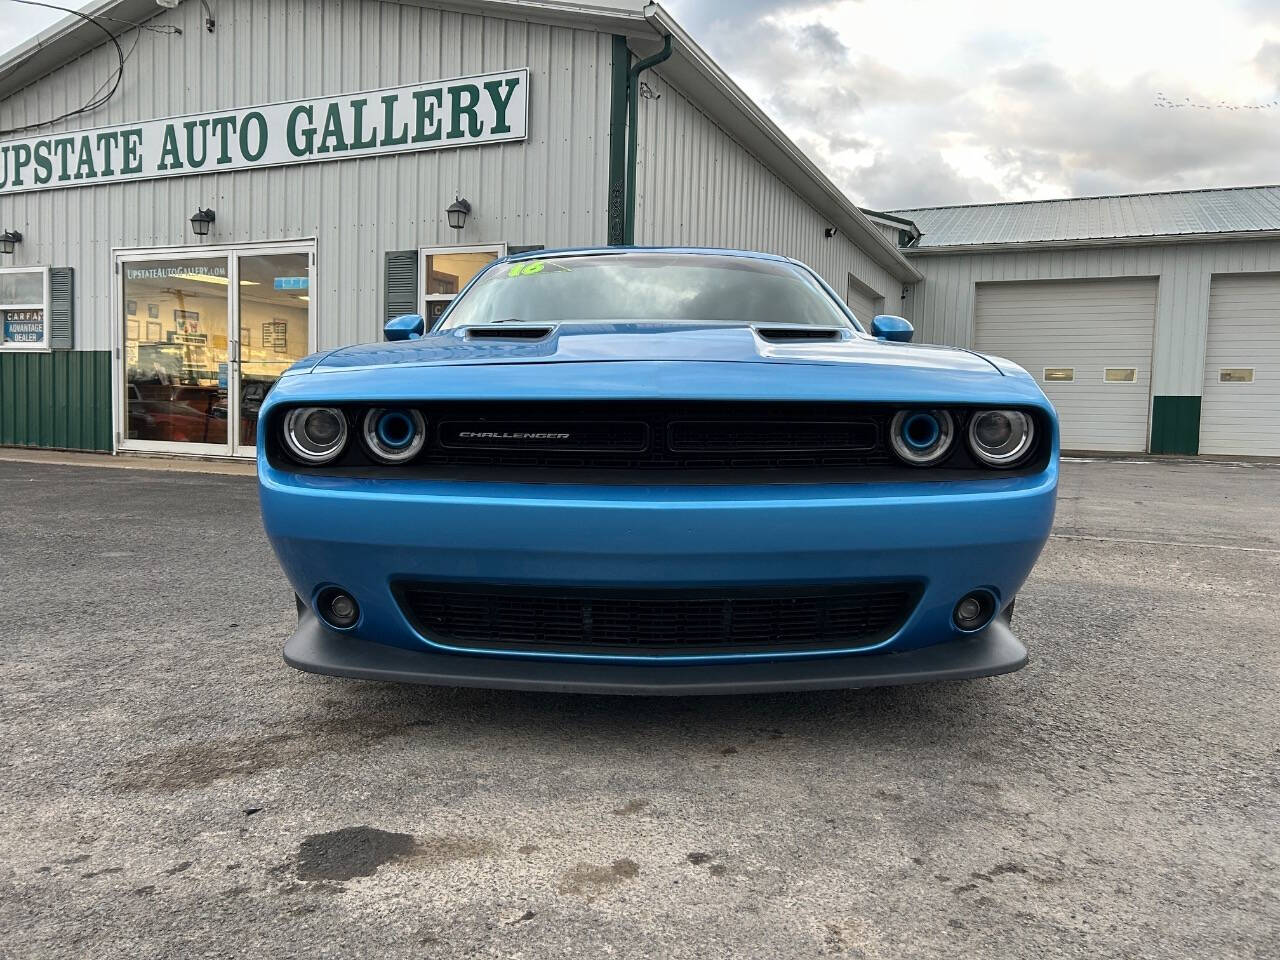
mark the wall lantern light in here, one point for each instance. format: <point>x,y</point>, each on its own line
<point>8,239</point>
<point>830,232</point>
<point>458,212</point>
<point>201,221</point>
<point>208,11</point>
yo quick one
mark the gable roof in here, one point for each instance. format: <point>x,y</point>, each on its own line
<point>690,68</point>
<point>1180,214</point>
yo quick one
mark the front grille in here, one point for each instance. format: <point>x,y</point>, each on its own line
<point>683,622</point>
<point>658,436</point>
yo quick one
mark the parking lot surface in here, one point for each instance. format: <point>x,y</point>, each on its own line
<point>171,789</point>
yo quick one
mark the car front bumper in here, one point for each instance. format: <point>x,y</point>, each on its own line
<point>366,534</point>
<point>989,652</point>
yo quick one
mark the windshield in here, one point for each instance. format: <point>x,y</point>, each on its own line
<point>682,287</point>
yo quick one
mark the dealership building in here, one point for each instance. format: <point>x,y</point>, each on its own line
<point>272,178</point>
<point>194,195</point>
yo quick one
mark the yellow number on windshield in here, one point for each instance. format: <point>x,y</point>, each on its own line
<point>526,269</point>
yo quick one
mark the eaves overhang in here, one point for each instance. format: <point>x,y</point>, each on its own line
<point>959,249</point>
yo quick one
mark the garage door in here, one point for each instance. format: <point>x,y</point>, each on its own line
<point>1240,413</point>
<point>864,302</point>
<point>1088,344</point>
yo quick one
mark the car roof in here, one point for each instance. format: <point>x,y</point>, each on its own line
<point>594,251</point>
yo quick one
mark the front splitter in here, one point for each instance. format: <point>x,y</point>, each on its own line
<point>315,649</point>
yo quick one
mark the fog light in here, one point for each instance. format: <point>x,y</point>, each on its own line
<point>337,608</point>
<point>975,610</point>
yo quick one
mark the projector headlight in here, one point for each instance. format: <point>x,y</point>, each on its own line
<point>921,437</point>
<point>394,435</point>
<point>315,435</point>
<point>1001,438</point>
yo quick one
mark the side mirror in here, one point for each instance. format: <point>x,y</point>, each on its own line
<point>409,327</point>
<point>896,329</point>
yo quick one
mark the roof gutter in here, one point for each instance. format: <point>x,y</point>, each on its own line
<point>1165,239</point>
<point>830,201</point>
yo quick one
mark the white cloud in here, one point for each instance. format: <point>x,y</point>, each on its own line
<point>912,103</point>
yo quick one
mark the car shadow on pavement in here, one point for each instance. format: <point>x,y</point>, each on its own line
<point>923,713</point>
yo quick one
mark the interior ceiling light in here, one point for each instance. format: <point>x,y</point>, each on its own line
<point>208,278</point>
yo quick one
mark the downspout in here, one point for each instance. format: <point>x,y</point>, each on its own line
<point>617,203</point>
<point>633,107</point>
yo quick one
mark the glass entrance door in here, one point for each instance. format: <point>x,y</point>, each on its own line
<point>205,337</point>
<point>176,343</point>
<point>273,314</point>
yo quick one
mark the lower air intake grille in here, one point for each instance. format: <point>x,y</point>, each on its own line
<point>721,621</point>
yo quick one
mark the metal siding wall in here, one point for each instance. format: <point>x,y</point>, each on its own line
<point>58,399</point>
<point>550,189</point>
<point>942,304</point>
<point>697,186</point>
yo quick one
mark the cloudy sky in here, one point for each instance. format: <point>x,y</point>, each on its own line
<point>920,102</point>
<point>913,103</point>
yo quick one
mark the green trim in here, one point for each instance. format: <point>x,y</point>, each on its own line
<point>618,141</point>
<point>60,399</point>
<point>1175,425</point>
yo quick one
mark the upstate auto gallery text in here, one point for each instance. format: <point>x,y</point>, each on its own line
<point>451,113</point>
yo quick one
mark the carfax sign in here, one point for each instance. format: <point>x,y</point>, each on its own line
<point>446,113</point>
<point>23,326</point>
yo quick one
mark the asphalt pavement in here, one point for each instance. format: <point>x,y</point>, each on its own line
<point>169,788</point>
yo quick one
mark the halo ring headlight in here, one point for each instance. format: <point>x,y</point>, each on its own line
<point>394,434</point>
<point>315,435</point>
<point>1001,438</point>
<point>921,437</point>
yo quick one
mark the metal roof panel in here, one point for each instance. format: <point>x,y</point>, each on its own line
<point>1223,210</point>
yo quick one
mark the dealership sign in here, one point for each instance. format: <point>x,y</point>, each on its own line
<point>448,113</point>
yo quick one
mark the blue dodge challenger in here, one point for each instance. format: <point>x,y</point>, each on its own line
<point>655,471</point>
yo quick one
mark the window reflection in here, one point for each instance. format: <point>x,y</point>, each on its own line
<point>275,300</point>
<point>175,327</point>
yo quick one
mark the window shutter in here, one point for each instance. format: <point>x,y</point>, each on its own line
<point>400,287</point>
<point>61,308</point>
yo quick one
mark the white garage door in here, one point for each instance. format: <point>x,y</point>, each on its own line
<point>1088,344</point>
<point>1240,412</point>
<point>864,302</point>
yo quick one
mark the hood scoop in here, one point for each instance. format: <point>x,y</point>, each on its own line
<point>513,332</point>
<point>798,334</point>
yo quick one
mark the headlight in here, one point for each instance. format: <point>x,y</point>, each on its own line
<point>393,435</point>
<point>922,437</point>
<point>315,434</point>
<point>1000,438</point>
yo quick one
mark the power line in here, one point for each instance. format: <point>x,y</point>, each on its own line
<point>96,100</point>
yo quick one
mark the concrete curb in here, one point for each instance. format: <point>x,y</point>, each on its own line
<point>236,468</point>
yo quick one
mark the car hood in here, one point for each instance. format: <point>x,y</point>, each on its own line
<point>595,343</point>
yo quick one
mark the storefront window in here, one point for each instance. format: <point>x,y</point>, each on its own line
<point>24,308</point>
<point>445,271</point>
<point>176,349</point>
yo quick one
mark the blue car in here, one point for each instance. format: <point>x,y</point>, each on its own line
<point>655,471</point>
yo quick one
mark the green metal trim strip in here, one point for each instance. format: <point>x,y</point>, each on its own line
<point>60,400</point>
<point>618,140</point>
<point>1175,425</point>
